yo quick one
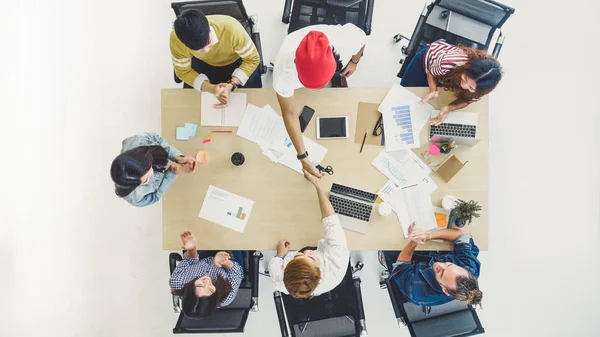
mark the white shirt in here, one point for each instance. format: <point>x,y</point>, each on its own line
<point>333,253</point>
<point>347,41</point>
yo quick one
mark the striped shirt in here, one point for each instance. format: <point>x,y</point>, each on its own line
<point>188,269</point>
<point>232,43</point>
<point>442,57</point>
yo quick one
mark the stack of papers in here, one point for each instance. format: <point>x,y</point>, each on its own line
<point>231,115</point>
<point>411,204</point>
<point>404,168</point>
<point>403,118</point>
<point>265,127</point>
<point>187,131</point>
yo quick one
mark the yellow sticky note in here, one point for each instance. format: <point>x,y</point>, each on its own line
<point>201,157</point>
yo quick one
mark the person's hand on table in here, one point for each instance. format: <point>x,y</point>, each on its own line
<point>188,163</point>
<point>349,69</point>
<point>309,167</point>
<point>221,258</point>
<point>429,97</point>
<point>283,247</point>
<point>417,235</point>
<point>222,92</point>
<point>188,241</point>
<point>439,119</point>
<point>175,168</point>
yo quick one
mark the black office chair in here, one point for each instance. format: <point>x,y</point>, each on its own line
<point>231,318</point>
<point>471,23</point>
<point>233,8</point>
<point>338,313</point>
<point>455,318</point>
<point>330,12</point>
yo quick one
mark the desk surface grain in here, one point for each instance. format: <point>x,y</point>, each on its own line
<point>285,204</point>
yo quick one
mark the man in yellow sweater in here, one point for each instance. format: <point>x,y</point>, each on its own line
<point>213,53</point>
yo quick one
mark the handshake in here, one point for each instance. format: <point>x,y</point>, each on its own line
<point>417,235</point>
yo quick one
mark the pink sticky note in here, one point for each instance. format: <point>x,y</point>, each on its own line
<point>201,157</point>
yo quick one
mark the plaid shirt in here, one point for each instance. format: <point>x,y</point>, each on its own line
<point>188,269</point>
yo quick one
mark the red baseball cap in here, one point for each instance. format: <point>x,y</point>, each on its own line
<point>314,61</point>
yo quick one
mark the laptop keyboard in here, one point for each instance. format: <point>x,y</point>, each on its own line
<point>353,209</point>
<point>453,130</point>
<point>353,192</point>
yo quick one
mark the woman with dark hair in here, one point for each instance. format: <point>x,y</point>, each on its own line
<point>142,173</point>
<point>206,284</point>
<point>468,73</point>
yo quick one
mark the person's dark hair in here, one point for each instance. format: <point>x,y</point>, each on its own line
<point>467,289</point>
<point>203,306</point>
<point>130,166</point>
<point>338,62</point>
<point>481,67</point>
<point>192,28</point>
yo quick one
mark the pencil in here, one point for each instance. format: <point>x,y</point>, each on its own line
<point>363,142</point>
<point>221,131</point>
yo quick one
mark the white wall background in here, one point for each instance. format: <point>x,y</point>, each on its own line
<point>79,76</point>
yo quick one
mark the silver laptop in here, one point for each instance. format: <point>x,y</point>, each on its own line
<point>460,127</point>
<point>353,206</point>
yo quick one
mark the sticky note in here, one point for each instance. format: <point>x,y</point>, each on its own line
<point>201,157</point>
<point>208,138</point>
<point>182,133</point>
<point>441,220</point>
<point>191,129</point>
<point>206,141</point>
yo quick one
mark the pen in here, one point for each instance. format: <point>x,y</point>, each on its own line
<point>363,142</point>
<point>221,131</point>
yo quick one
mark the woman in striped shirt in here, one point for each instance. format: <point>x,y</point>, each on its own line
<point>468,73</point>
<point>206,284</point>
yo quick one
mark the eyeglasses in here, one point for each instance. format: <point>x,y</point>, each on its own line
<point>378,129</point>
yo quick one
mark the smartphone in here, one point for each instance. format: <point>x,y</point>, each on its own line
<point>305,117</point>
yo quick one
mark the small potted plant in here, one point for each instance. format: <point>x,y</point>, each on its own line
<point>464,212</point>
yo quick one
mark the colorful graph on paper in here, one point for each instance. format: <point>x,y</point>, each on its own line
<point>238,214</point>
<point>397,175</point>
<point>404,133</point>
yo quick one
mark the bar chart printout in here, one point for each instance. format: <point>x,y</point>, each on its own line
<point>226,209</point>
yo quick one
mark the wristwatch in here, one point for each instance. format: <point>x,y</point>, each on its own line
<point>302,156</point>
<point>233,85</point>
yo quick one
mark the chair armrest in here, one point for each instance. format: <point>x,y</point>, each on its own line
<point>280,314</point>
<point>255,276</point>
<point>394,299</point>
<point>287,10</point>
<point>360,311</point>
<point>369,17</point>
<point>413,44</point>
<point>498,45</point>
<point>255,36</point>
<point>173,259</point>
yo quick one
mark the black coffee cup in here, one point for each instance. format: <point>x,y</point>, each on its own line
<point>237,159</point>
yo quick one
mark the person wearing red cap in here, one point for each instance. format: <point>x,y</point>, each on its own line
<point>309,58</point>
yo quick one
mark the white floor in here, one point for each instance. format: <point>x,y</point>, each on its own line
<point>79,76</point>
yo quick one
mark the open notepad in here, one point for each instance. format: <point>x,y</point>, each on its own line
<point>231,115</point>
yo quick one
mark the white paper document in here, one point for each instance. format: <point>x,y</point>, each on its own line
<point>226,209</point>
<point>231,115</point>
<point>289,159</point>
<point>402,132</point>
<point>400,167</point>
<point>262,126</point>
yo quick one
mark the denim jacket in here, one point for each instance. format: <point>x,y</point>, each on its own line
<point>151,192</point>
<point>416,280</point>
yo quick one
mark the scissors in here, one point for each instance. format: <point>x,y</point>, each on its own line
<point>328,169</point>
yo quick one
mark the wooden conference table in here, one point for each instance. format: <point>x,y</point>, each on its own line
<point>285,204</point>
